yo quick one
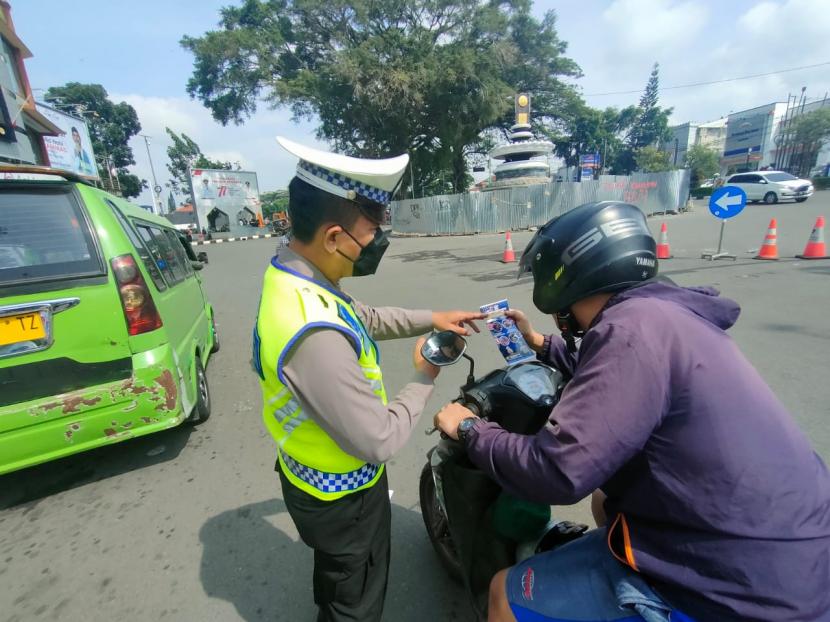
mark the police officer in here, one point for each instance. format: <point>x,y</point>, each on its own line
<point>324,400</point>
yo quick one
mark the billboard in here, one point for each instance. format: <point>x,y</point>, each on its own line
<point>72,151</point>
<point>590,160</point>
<point>222,198</point>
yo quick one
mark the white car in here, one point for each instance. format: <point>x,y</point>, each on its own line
<point>772,186</point>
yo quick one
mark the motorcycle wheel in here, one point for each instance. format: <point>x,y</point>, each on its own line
<point>435,521</point>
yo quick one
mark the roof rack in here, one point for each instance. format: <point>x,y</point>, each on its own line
<point>43,170</point>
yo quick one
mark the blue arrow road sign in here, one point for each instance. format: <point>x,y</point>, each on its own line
<point>727,202</point>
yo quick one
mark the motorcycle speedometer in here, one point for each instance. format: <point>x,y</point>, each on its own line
<point>532,380</point>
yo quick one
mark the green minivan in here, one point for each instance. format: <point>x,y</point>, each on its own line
<point>105,329</point>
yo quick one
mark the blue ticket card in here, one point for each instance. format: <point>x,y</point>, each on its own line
<point>512,345</point>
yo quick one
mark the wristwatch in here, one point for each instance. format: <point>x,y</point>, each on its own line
<point>465,426</point>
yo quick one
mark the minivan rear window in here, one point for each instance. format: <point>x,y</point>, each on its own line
<point>44,236</point>
<point>780,177</point>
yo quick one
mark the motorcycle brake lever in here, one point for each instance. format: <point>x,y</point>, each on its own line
<point>433,431</point>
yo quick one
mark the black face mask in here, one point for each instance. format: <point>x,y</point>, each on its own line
<point>370,255</point>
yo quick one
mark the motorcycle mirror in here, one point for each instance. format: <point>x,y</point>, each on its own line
<point>444,348</point>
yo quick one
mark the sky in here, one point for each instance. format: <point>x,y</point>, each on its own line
<point>132,49</point>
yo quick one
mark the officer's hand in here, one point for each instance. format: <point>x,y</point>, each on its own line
<point>421,364</point>
<point>534,340</point>
<point>455,321</point>
<point>448,418</point>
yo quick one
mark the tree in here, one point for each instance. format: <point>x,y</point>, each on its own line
<point>649,128</point>
<point>185,154</point>
<point>703,162</point>
<point>811,131</point>
<point>273,202</point>
<point>652,160</point>
<point>111,126</point>
<point>382,76</point>
<point>589,130</point>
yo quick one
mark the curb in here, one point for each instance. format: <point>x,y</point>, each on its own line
<point>243,238</point>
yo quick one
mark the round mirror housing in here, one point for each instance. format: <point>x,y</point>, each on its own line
<point>444,348</point>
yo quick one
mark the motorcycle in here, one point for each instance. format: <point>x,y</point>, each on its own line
<point>280,227</point>
<point>475,527</point>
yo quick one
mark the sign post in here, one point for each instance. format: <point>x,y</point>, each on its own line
<point>725,203</point>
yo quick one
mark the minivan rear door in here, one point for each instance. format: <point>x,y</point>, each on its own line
<point>61,326</point>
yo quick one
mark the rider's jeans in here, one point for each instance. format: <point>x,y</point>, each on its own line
<point>583,581</point>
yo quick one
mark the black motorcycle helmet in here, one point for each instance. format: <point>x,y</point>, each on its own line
<point>594,248</point>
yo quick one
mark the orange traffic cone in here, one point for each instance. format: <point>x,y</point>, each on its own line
<point>508,256</point>
<point>815,248</point>
<point>769,249</point>
<point>663,251</point>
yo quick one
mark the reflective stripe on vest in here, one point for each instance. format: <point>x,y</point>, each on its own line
<point>331,482</point>
<point>291,305</point>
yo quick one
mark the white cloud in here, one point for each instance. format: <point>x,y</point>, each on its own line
<point>648,29</point>
<point>615,42</point>
<point>699,42</point>
<point>252,144</point>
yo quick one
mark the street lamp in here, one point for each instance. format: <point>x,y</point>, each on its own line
<point>156,191</point>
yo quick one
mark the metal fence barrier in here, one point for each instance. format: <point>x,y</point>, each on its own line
<point>523,207</point>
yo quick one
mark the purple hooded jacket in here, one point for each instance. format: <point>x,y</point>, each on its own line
<point>714,494</point>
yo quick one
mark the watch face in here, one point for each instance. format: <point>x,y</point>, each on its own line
<point>466,425</point>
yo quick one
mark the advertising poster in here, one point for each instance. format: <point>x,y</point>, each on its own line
<point>225,198</point>
<point>72,151</point>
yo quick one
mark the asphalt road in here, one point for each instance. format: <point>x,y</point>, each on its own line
<point>189,524</point>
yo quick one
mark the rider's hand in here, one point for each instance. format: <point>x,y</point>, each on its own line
<point>421,364</point>
<point>455,321</point>
<point>535,340</point>
<point>448,418</point>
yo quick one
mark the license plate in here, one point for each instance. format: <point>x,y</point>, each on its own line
<point>22,327</point>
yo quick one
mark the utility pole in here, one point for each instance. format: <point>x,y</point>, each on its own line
<point>604,154</point>
<point>154,193</point>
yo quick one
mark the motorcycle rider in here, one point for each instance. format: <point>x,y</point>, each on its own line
<point>717,505</point>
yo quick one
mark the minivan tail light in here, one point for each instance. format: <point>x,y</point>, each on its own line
<point>139,309</point>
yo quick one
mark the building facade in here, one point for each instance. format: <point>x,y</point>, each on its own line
<point>687,135</point>
<point>22,126</point>
<point>750,138</point>
<point>790,154</point>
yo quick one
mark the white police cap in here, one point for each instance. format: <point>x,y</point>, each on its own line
<point>345,176</point>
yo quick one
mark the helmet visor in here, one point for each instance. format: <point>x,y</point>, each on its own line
<point>526,261</point>
<point>529,254</point>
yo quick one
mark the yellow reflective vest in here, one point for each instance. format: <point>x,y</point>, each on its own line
<point>292,304</point>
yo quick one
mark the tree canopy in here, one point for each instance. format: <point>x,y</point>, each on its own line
<point>652,160</point>
<point>183,155</point>
<point>703,161</point>
<point>272,202</point>
<point>648,128</point>
<point>387,76</point>
<point>811,131</point>
<point>589,130</point>
<point>111,126</point>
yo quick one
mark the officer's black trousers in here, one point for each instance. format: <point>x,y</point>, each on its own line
<point>350,538</point>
